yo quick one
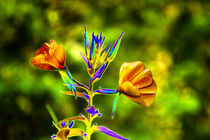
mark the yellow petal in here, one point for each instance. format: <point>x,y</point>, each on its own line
<point>60,54</point>
<point>148,99</point>
<point>149,89</point>
<point>143,99</point>
<point>143,79</point>
<point>130,70</point>
<point>75,132</point>
<point>129,89</point>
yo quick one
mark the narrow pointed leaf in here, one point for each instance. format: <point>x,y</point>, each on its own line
<point>108,132</point>
<point>115,104</point>
<point>51,112</point>
<point>106,91</point>
<point>83,95</point>
<point>78,118</point>
<point>113,51</point>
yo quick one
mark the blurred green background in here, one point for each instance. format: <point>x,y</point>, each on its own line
<point>171,38</point>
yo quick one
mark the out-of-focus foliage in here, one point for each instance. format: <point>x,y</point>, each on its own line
<point>171,38</point>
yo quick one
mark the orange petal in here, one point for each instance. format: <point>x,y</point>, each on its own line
<point>46,62</point>
<point>143,99</point>
<point>149,89</point>
<point>143,79</point>
<point>129,89</point>
<point>42,50</point>
<point>39,62</point>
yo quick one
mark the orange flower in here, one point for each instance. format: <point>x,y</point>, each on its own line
<point>49,57</point>
<point>137,83</point>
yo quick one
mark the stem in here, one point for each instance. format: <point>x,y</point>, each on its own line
<point>90,104</point>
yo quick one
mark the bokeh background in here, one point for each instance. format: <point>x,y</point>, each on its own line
<point>171,38</point>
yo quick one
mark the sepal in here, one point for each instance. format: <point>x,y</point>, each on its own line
<point>68,79</point>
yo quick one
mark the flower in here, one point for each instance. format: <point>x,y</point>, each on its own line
<point>49,56</point>
<point>66,131</point>
<point>137,83</point>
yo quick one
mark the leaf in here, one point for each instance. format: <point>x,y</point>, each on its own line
<point>51,112</point>
<point>115,104</point>
<point>107,131</point>
<point>83,95</point>
<point>113,52</point>
<point>105,91</point>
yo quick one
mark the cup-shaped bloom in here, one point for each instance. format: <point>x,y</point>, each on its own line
<point>49,56</point>
<point>137,83</point>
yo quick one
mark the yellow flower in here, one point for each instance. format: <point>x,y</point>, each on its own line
<point>137,83</point>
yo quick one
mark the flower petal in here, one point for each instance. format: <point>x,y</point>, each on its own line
<point>60,54</point>
<point>49,57</point>
<point>143,99</point>
<point>128,71</point>
<point>129,89</point>
<point>143,79</point>
<point>108,132</point>
<point>67,133</point>
<point>149,89</point>
<point>63,133</point>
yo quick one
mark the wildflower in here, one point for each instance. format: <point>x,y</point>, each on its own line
<point>49,56</point>
<point>137,83</point>
<point>66,131</point>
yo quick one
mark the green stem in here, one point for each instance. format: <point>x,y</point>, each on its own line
<point>90,93</point>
